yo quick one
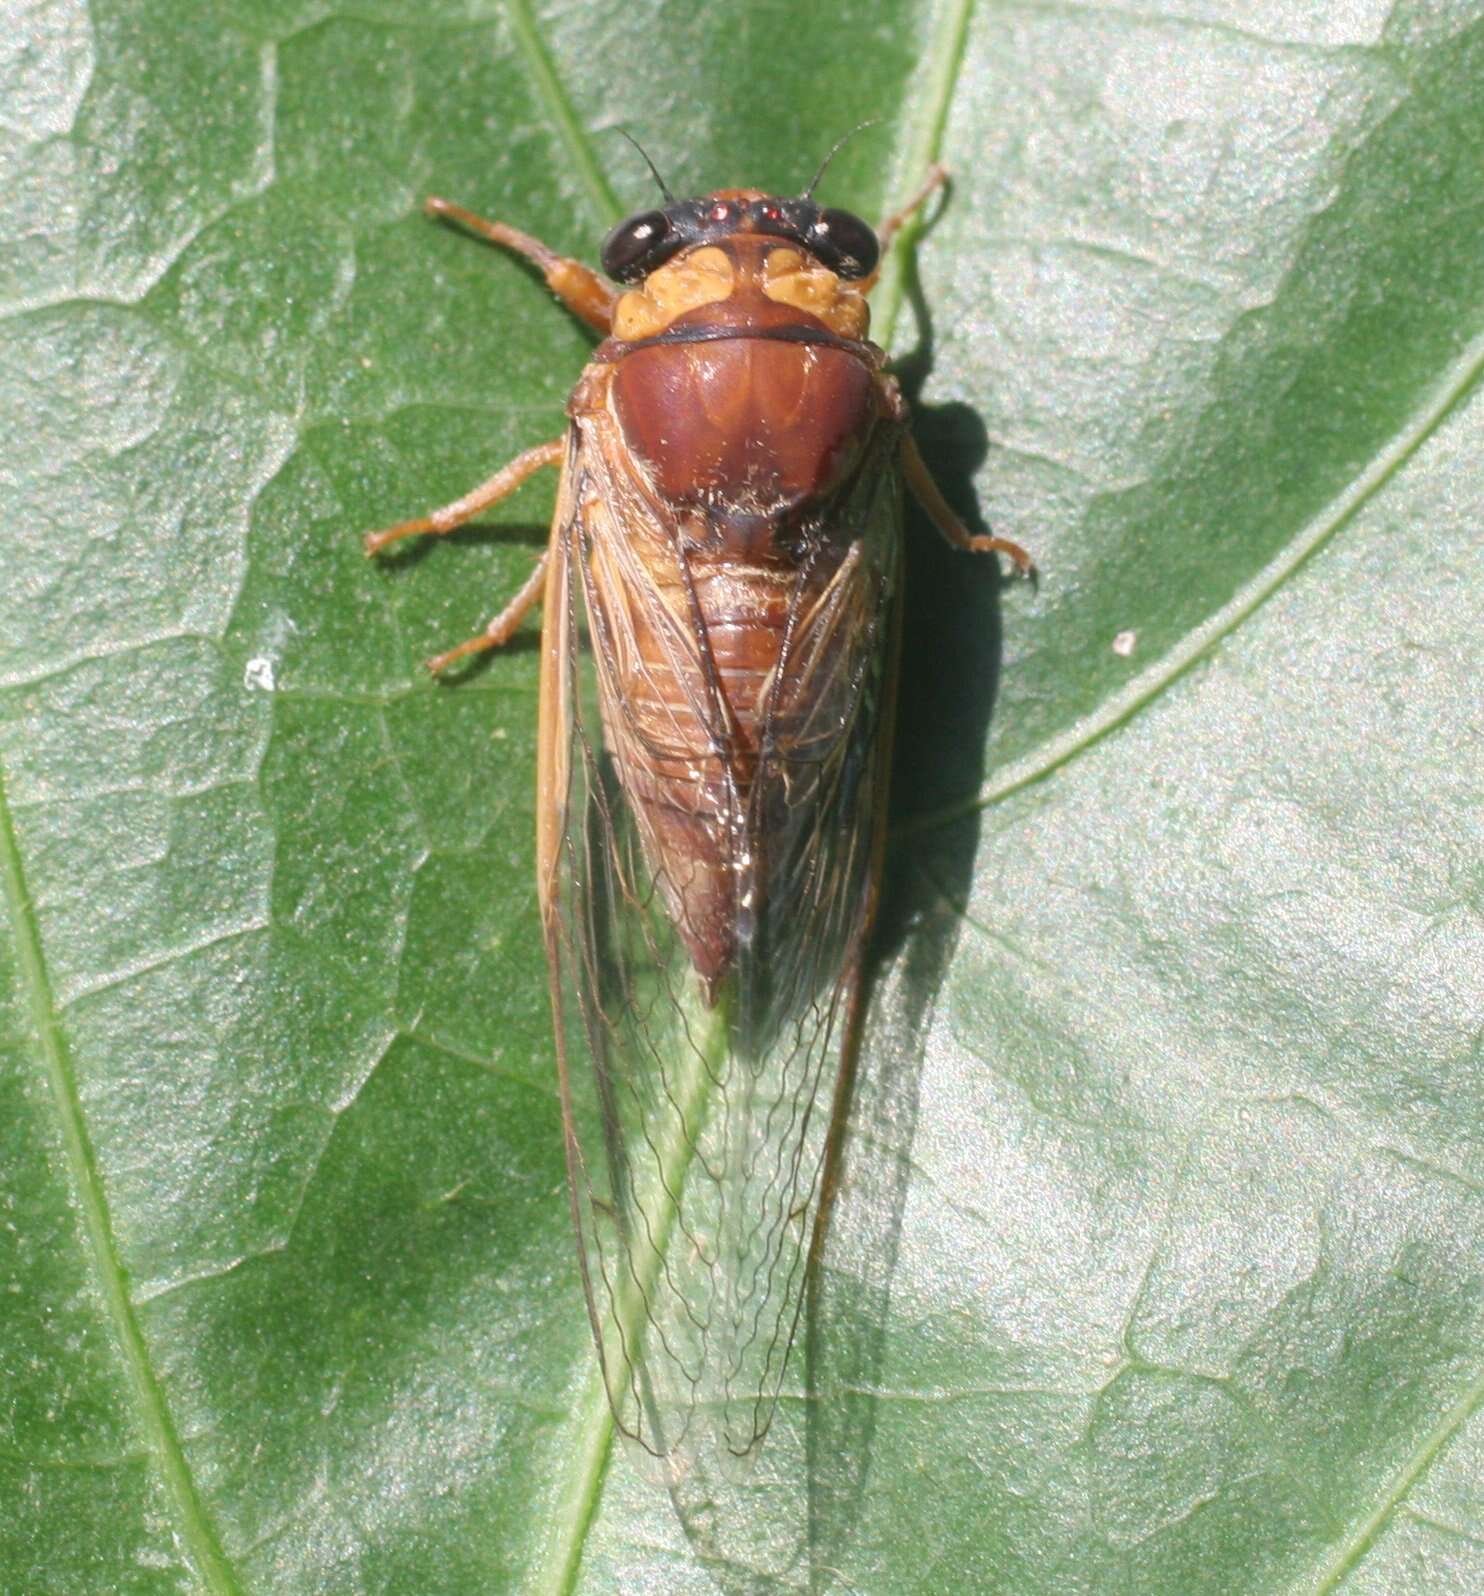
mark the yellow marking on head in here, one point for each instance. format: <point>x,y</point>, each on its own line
<point>791,278</point>
<point>699,277</point>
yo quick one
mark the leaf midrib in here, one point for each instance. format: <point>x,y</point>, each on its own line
<point>561,1568</point>
<point>558,105</point>
<point>160,1436</point>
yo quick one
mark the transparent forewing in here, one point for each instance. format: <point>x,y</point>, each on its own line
<point>713,812</point>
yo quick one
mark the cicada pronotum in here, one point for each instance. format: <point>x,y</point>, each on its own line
<point>722,594</point>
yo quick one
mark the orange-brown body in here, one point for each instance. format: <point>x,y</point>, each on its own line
<point>741,423</point>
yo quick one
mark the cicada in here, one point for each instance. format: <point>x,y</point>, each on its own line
<point>722,598</point>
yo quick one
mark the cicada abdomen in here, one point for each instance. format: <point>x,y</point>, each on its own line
<point>721,594</point>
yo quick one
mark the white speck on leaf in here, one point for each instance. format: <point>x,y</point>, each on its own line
<point>257,675</point>
<point>1123,644</point>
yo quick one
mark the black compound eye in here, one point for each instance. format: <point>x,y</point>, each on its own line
<point>844,243</point>
<point>636,246</point>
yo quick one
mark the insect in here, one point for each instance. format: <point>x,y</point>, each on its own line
<point>721,595</point>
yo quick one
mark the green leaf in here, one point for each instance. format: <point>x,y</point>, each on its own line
<point>1161,1263</point>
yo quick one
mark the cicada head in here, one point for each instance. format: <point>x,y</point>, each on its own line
<point>838,240</point>
<point>737,243</point>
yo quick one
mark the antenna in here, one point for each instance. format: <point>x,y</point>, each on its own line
<point>835,149</point>
<point>664,187</point>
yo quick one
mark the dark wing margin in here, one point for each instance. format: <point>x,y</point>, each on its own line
<point>698,1116</point>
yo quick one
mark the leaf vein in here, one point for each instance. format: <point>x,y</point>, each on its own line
<point>1350,1552</point>
<point>156,1422</point>
<point>945,57</point>
<point>1202,640</point>
<point>558,104</point>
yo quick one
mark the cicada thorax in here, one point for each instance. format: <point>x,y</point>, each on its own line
<point>746,408</point>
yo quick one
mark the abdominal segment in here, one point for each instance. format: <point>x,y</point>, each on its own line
<point>712,753</point>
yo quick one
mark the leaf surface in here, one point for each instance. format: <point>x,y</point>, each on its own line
<point>1160,1267</point>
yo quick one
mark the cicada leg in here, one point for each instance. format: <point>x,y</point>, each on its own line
<point>579,288</point>
<point>448,516</point>
<point>937,176</point>
<point>919,479</point>
<point>502,628</point>
<point>928,494</point>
